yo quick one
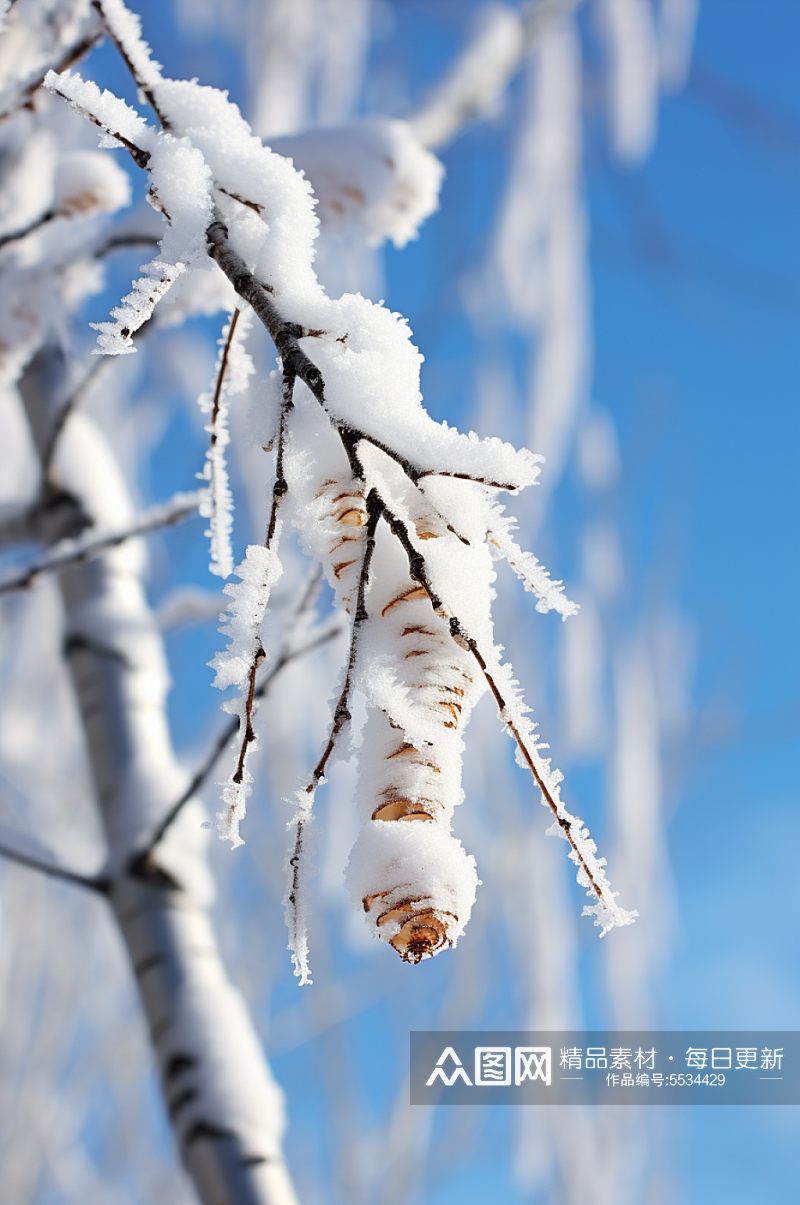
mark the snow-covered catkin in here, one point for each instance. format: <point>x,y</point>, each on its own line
<point>412,877</point>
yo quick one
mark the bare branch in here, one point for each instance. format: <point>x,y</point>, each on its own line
<point>55,871</point>
<point>492,485</point>
<point>124,242</point>
<point>16,235</point>
<point>66,409</point>
<point>281,486</point>
<point>259,209</point>
<point>222,370</point>
<point>87,547</point>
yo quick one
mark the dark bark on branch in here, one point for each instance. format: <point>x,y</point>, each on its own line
<point>140,156</point>
<point>295,362</point>
<point>16,235</point>
<point>284,334</point>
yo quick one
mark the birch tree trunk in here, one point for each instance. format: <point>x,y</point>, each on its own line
<point>224,1107</point>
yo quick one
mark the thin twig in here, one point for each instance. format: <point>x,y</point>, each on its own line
<point>494,485</point>
<point>259,209</point>
<point>286,657</point>
<point>16,235</point>
<point>278,490</point>
<point>281,485</point>
<point>66,409</point>
<point>341,713</point>
<point>124,242</point>
<point>54,871</point>
<point>410,470</point>
<point>88,547</point>
<point>140,156</point>
<point>222,370</point>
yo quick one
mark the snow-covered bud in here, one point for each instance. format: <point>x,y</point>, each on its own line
<point>374,175</point>
<point>90,182</point>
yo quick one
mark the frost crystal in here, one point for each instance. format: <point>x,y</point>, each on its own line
<point>234,367</point>
<point>237,665</point>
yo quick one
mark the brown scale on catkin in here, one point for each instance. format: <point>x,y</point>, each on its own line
<point>338,536</point>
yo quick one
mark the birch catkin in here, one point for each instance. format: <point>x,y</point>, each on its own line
<point>412,877</point>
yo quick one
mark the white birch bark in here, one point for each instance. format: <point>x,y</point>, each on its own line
<point>225,1109</point>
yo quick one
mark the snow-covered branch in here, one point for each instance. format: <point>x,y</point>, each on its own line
<point>25,90</point>
<point>354,448</point>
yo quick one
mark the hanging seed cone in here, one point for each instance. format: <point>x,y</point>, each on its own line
<point>412,878</point>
